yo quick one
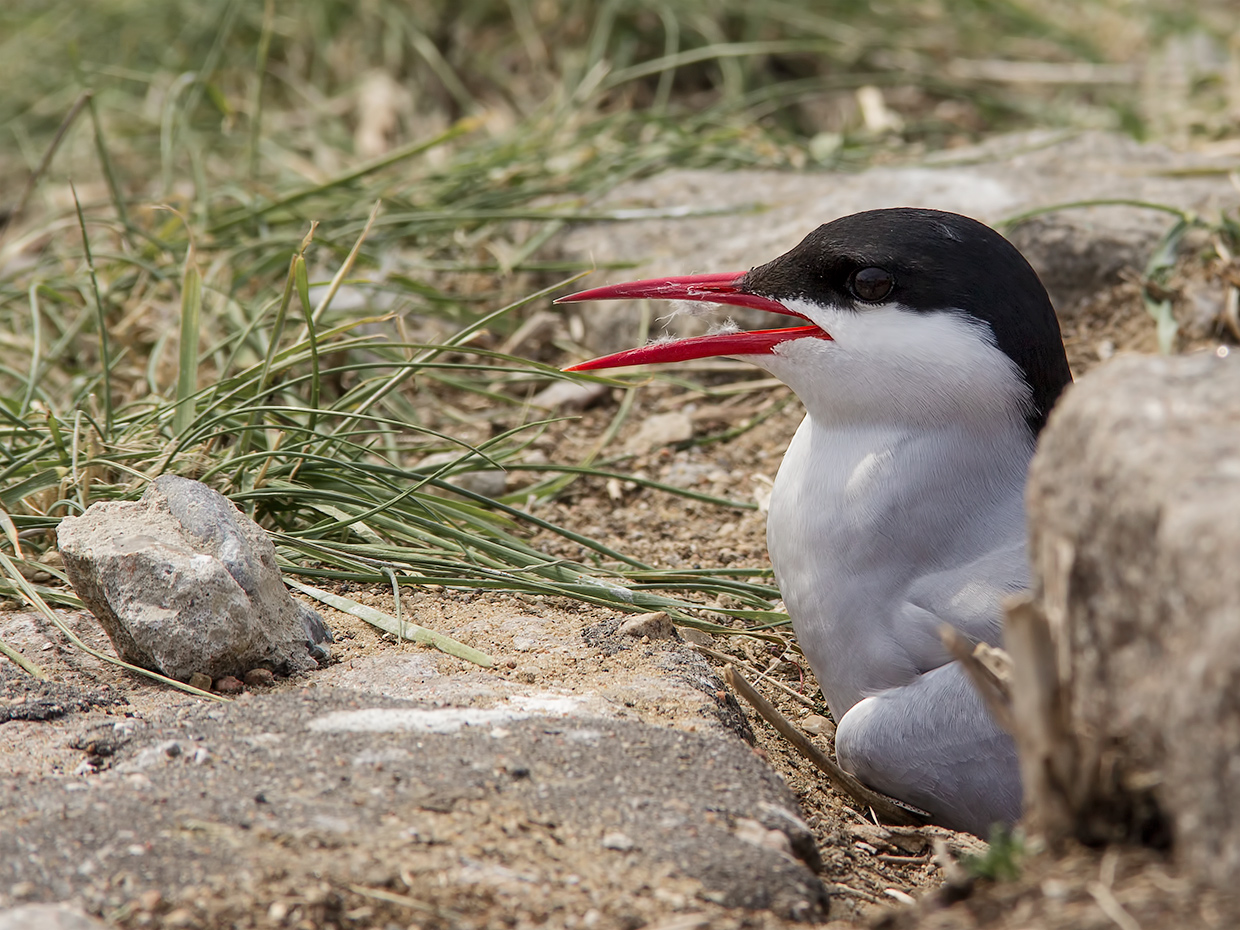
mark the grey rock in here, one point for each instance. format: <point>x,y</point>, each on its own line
<point>481,479</point>
<point>104,739</point>
<point>720,221</point>
<point>657,625</point>
<point>183,582</point>
<point>377,775</point>
<point>570,395</point>
<point>817,725</point>
<point>617,841</point>
<point>48,917</point>
<point>1134,502</point>
<point>660,429</point>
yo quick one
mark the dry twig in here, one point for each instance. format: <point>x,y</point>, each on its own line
<point>885,807</point>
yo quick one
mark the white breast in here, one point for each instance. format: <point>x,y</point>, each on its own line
<point>879,536</point>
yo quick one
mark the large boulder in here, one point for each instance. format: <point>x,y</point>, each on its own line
<point>183,582</point>
<point>1127,684</point>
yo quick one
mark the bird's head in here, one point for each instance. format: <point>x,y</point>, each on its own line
<point>907,315</point>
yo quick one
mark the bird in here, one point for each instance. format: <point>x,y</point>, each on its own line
<point>927,358</point>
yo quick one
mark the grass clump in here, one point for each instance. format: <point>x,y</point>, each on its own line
<point>1002,860</point>
<point>169,304</point>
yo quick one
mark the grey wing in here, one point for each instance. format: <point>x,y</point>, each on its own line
<point>933,743</point>
<point>968,597</point>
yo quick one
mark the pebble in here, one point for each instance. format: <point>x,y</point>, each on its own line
<point>260,678</point>
<point>817,725</point>
<point>655,625</point>
<point>617,840</point>
<point>696,637</point>
<point>662,429</point>
<point>229,684</point>
<point>569,395</point>
<point>200,681</point>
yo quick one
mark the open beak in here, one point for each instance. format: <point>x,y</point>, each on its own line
<point>711,288</point>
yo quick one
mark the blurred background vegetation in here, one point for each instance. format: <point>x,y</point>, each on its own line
<point>161,163</point>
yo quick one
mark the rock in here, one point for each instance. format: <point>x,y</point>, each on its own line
<point>661,429</point>
<point>183,582</point>
<point>817,725</point>
<point>1077,251</point>
<point>200,681</point>
<point>570,396</point>
<point>229,684</point>
<point>104,739</point>
<point>48,917</point>
<point>260,678</point>
<point>1126,661</point>
<point>617,841</point>
<point>484,480</point>
<point>655,625</point>
<point>458,796</point>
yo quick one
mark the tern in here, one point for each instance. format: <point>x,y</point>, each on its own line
<point>928,360</point>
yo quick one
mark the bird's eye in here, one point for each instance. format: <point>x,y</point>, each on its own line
<point>872,284</point>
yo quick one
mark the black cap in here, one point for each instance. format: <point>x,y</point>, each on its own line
<point>928,261</point>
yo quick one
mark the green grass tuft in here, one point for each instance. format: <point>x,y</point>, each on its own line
<point>195,168</point>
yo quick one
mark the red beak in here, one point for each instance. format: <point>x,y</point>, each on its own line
<point>710,288</point>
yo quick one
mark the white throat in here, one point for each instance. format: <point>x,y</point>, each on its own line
<point>891,365</point>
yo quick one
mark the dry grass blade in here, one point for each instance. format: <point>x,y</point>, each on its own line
<point>727,659</point>
<point>994,689</point>
<point>886,808</point>
<point>31,182</point>
<point>187,367</point>
<point>400,628</point>
<point>31,669</point>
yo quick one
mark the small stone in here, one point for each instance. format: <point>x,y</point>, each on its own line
<point>617,841</point>
<point>569,396</point>
<point>260,678</point>
<point>817,725</point>
<point>751,831</point>
<point>277,911</point>
<point>695,637</point>
<point>525,675</point>
<point>659,430</point>
<point>229,684</point>
<point>655,625</point>
<point>200,681</point>
<point>150,900</point>
<point>488,483</point>
<point>1055,889</point>
<point>182,582</point>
